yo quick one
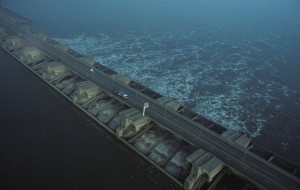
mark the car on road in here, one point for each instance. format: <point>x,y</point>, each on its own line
<point>121,93</point>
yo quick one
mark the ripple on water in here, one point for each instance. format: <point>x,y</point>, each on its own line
<point>221,80</point>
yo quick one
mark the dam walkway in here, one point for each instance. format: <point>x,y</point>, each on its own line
<point>217,151</point>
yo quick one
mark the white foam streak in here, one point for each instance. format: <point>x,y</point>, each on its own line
<point>216,82</point>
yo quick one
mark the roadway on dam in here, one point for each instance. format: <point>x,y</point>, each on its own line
<point>236,157</point>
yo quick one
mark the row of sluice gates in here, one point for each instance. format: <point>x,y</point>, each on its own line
<point>189,167</point>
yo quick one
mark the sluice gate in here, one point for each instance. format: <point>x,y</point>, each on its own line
<point>195,152</point>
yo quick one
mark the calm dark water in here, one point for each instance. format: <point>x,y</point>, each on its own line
<point>46,144</point>
<point>234,62</point>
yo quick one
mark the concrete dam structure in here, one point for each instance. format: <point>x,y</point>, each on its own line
<point>196,153</point>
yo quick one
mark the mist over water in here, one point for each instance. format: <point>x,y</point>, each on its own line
<point>235,62</point>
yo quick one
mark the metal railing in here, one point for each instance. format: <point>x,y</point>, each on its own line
<point>232,154</point>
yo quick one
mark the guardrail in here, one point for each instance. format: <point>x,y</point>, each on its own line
<point>236,157</point>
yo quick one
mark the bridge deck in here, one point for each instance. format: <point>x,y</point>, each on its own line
<point>253,167</point>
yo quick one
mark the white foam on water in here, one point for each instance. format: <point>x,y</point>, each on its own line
<point>218,79</point>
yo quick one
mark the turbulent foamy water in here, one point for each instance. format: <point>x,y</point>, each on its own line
<point>232,82</point>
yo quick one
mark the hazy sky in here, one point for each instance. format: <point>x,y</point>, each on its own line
<point>157,10</point>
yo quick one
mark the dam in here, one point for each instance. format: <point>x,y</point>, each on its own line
<point>194,152</point>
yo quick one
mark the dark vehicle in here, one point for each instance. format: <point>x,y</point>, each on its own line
<point>120,93</point>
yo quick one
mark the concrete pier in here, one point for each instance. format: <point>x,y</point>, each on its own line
<point>190,149</point>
